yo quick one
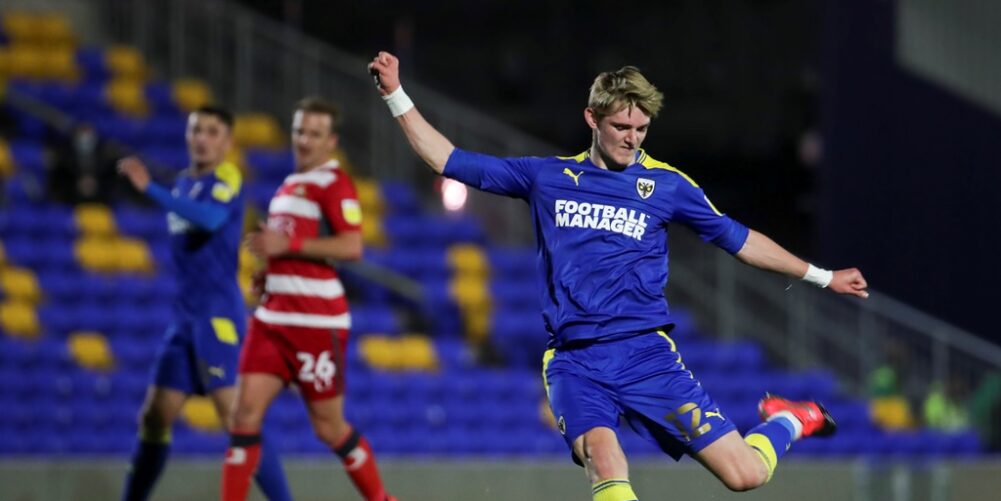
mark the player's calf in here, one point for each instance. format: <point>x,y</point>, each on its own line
<point>605,464</point>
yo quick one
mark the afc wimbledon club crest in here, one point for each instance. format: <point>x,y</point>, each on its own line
<point>644,187</point>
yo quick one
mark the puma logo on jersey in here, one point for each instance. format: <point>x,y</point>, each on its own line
<point>710,414</point>
<point>575,177</point>
<point>218,372</point>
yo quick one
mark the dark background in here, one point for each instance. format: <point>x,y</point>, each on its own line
<point>792,114</point>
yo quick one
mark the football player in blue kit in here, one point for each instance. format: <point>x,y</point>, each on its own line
<point>201,347</point>
<point>601,221</point>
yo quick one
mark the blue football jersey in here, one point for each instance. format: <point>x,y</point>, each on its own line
<point>206,261</point>
<point>601,235</point>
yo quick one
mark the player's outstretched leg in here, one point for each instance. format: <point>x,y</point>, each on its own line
<point>784,423</point>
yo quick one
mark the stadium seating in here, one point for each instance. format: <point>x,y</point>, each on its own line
<point>87,294</point>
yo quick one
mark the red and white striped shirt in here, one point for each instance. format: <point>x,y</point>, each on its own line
<point>300,291</point>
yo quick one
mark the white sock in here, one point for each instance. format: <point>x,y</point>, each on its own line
<point>796,424</point>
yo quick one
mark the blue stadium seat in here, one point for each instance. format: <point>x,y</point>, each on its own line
<point>400,197</point>
<point>165,130</point>
<point>173,158</point>
<point>260,193</point>
<point>272,166</point>
<point>91,61</point>
<point>161,99</point>
<point>517,293</point>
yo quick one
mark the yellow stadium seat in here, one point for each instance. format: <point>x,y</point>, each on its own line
<point>477,324</point>
<point>370,198</point>
<point>4,63</point>
<point>372,232</point>
<point>190,94</point>
<point>6,160</point>
<point>248,261</point>
<point>91,350</point>
<point>133,255</point>
<point>25,62</point>
<point>200,413</point>
<point>891,413</point>
<point>96,253</point>
<point>377,352</point>
<point>19,26</point>
<point>418,353</point>
<point>467,260</point>
<point>343,161</point>
<point>124,61</point>
<point>246,281</point>
<point>60,64</point>
<point>470,292</point>
<point>18,318</point>
<point>127,96</point>
<point>258,130</point>
<point>54,30</point>
<point>20,283</point>
<point>408,353</point>
<point>95,220</point>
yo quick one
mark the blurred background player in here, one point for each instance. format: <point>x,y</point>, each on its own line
<point>201,349</point>
<point>601,219</point>
<point>299,332</point>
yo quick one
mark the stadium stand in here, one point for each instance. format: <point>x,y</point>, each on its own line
<point>86,292</point>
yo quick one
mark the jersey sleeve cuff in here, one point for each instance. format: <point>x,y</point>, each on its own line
<point>733,239</point>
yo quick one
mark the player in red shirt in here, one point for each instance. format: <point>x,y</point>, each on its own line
<point>299,332</point>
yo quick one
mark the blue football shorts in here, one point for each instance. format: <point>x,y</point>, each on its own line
<point>641,380</point>
<point>199,355</point>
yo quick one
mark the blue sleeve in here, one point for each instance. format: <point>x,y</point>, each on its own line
<point>207,215</point>
<point>512,177</point>
<point>695,210</point>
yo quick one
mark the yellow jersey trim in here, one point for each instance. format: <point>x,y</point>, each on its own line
<point>650,163</point>
<point>546,357</point>
<point>231,178</point>
<point>576,158</point>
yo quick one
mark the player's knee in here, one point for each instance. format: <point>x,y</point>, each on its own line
<point>742,479</point>
<point>245,417</point>
<point>605,459</point>
<point>154,420</point>
<point>330,431</point>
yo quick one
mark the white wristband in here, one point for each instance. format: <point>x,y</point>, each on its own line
<point>818,276</point>
<point>399,102</point>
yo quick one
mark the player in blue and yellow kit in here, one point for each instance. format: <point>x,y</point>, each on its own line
<point>601,221</point>
<point>201,348</point>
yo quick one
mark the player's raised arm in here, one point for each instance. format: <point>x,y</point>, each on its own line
<point>208,216</point>
<point>427,142</point>
<point>762,252</point>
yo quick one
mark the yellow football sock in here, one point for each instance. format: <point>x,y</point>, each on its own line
<point>614,489</point>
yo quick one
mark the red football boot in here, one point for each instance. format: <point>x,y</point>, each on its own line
<point>816,420</point>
